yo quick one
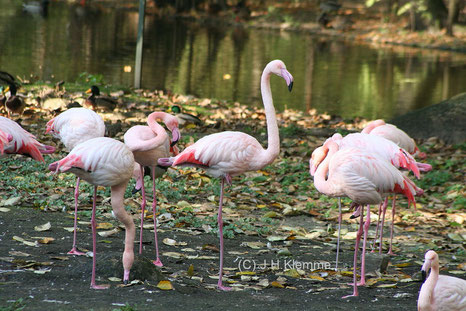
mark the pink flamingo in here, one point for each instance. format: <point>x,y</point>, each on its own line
<point>389,151</point>
<point>399,137</point>
<point>73,127</point>
<point>105,162</point>
<point>23,142</point>
<point>440,292</point>
<point>394,134</point>
<point>227,154</point>
<point>5,138</point>
<point>148,144</point>
<point>361,176</point>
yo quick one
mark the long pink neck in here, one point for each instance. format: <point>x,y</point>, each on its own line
<point>372,125</point>
<point>425,301</point>
<point>320,177</point>
<point>273,148</point>
<point>159,131</point>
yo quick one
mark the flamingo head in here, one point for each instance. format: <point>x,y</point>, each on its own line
<point>429,259</point>
<point>317,156</point>
<point>172,124</point>
<point>372,125</point>
<point>278,67</point>
<point>4,139</point>
<point>50,127</point>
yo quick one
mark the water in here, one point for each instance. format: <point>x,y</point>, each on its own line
<point>223,62</point>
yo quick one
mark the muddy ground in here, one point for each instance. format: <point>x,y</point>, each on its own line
<point>66,285</point>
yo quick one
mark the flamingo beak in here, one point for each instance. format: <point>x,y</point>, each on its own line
<point>175,136</point>
<point>288,78</point>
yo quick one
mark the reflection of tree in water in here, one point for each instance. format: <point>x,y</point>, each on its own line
<point>240,38</point>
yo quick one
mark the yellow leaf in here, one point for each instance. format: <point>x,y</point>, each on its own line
<point>104,225</point>
<point>165,285</point>
<point>246,273</point>
<point>191,270</point>
<point>277,285</point>
<point>316,277</point>
<point>46,240</point>
<point>387,286</point>
<point>402,265</point>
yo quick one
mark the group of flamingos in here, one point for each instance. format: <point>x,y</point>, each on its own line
<point>363,166</point>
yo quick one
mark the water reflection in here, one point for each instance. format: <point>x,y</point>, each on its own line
<point>212,60</point>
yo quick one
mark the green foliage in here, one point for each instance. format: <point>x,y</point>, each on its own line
<point>90,79</point>
<point>434,178</point>
<point>15,305</point>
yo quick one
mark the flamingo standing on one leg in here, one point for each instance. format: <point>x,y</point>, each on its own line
<point>399,137</point>
<point>148,144</point>
<point>227,154</point>
<point>105,162</point>
<point>361,176</point>
<point>73,127</point>
<point>440,292</point>
<point>23,142</point>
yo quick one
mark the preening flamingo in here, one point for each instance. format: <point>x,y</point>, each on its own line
<point>361,176</point>
<point>394,134</point>
<point>148,144</point>
<point>440,292</point>
<point>5,138</point>
<point>227,154</point>
<point>73,127</point>
<point>23,142</point>
<point>105,162</point>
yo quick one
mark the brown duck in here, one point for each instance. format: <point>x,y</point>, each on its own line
<point>99,102</point>
<point>14,104</point>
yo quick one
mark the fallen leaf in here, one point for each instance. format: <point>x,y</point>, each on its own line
<point>4,209</point>
<point>254,245</point>
<point>69,229</point>
<point>10,202</point>
<point>165,285</point>
<point>108,233</point>
<point>46,240</point>
<point>104,225</point>
<point>114,279</point>
<point>18,253</point>
<point>277,285</point>
<point>43,227</point>
<point>173,255</point>
<point>190,271</point>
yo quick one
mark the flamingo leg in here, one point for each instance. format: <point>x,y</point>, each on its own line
<point>220,231</point>
<point>157,261</point>
<point>363,256</point>
<point>377,229</point>
<point>384,210</point>
<point>339,231</point>
<point>143,208</point>
<point>94,242</point>
<point>356,248</point>
<point>390,252</point>
<point>74,250</point>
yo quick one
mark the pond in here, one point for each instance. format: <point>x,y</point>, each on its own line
<point>225,62</point>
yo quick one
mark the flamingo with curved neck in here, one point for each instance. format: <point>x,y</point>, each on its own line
<point>440,292</point>
<point>148,144</point>
<point>227,154</point>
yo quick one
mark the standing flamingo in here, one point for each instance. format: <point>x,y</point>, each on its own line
<point>227,154</point>
<point>23,142</point>
<point>387,150</point>
<point>440,292</point>
<point>361,176</point>
<point>148,144</point>
<point>399,137</point>
<point>105,162</point>
<point>5,138</point>
<point>73,127</point>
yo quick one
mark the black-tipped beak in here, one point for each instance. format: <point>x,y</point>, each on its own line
<point>135,190</point>
<point>125,282</point>
<point>290,86</point>
<point>423,275</point>
<point>175,137</point>
<point>353,216</point>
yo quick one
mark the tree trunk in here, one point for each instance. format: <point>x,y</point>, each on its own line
<point>453,10</point>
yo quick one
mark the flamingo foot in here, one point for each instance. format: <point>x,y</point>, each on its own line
<point>74,251</point>
<point>158,262</point>
<point>94,286</point>
<point>361,283</point>
<point>224,288</point>
<point>352,295</point>
<point>391,253</point>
